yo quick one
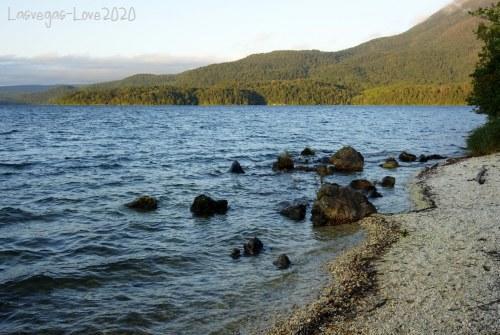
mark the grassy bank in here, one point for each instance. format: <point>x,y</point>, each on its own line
<point>485,140</point>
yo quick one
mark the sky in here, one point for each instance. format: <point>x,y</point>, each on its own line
<point>74,42</point>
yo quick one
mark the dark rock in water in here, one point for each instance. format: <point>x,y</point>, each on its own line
<point>375,194</point>
<point>144,203</point>
<point>348,159</point>
<point>236,168</point>
<point>296,211</point>
<point>388,182</point>
<point>235,253</point>
<point>308,152</point>
<point>407,157</point>
<point>324,170</point>
<point>253,247</point>
<point>390,163</point>
<point>366,187</point>
<point>337,205</point>
<point>362,184</point>
<point>305,168</point>
<point>284,163</point>
<point>324,160</point>
<point>282,262</point>
<point>425,158</point>
<point>205,206</point>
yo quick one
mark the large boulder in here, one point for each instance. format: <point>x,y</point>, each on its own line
<point>337,205</point>
<point>348,159</point>
<point>390,163</point>
<point>205,206</point>
<point>388,182</point>
<point>407,157</point>
<point>284,163</point>
<point>253,247</point>
<point>236,168</point>
<point>144,203</point>
<point>294,211</point>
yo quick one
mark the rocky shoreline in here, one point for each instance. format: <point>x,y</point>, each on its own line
<point>434,270</point>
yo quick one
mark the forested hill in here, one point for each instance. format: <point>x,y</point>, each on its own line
<point>428,64</point>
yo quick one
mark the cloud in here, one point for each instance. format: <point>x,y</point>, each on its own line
<point>77,69</point>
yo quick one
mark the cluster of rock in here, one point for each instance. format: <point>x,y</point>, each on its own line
<point>253,247</point>
<point>334,204</point>
<point>406,157</point>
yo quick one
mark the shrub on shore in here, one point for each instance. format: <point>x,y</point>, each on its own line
<point>485,140</point>
<point>486,83</point>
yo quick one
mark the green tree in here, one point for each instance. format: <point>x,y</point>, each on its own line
<point>486,77</point>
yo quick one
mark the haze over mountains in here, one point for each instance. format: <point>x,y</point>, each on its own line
<point>429,63</point>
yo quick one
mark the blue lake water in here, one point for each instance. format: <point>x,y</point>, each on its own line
<point>74,259</point>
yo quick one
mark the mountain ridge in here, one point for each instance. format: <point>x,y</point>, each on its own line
<point>435,56</point>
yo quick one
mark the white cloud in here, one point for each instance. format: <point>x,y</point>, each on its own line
<point>78,69</point>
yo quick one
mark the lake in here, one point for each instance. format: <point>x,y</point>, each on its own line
<point>73,258</point>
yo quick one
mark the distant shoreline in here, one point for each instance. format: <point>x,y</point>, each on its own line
<point>433,270</point>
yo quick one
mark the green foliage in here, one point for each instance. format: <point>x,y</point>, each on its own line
<point>155,95</point>
<point>275,92</point>
<point>486,77</point>
<point>449,94</point>
<point>486,139</point>
<point>302,92</point>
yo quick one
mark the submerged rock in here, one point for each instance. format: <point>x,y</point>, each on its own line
<point>325,170</point>
<point>407,157</point>
<point>337,205</point>
<point>308,152</point>
<point>144,203</point>
<point>235,253</point>
<point>388,182</point>
<point>366,187</point>
<point>253,247</point>
<point>282,262</point>
<point>390,163</point>
<point>236,168</point>
<point>305,168</point>
<point>295,211</point>
<point>425,158</point>
<point>284,163</point>
<point>362,184</point>
<point>205,206</point>
<point>348,159</point>
<point>324,160</point>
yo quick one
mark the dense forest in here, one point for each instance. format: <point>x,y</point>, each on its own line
<point>271,93</point>
<point>449,94</point>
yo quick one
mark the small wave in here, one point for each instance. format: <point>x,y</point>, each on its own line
<point>45,283</point>
<point>107,166</point>
<point>55,200</point>
<point>9,132</point>
<point>15,215</point>
<point>94,249</point>
<point>16,166</point>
